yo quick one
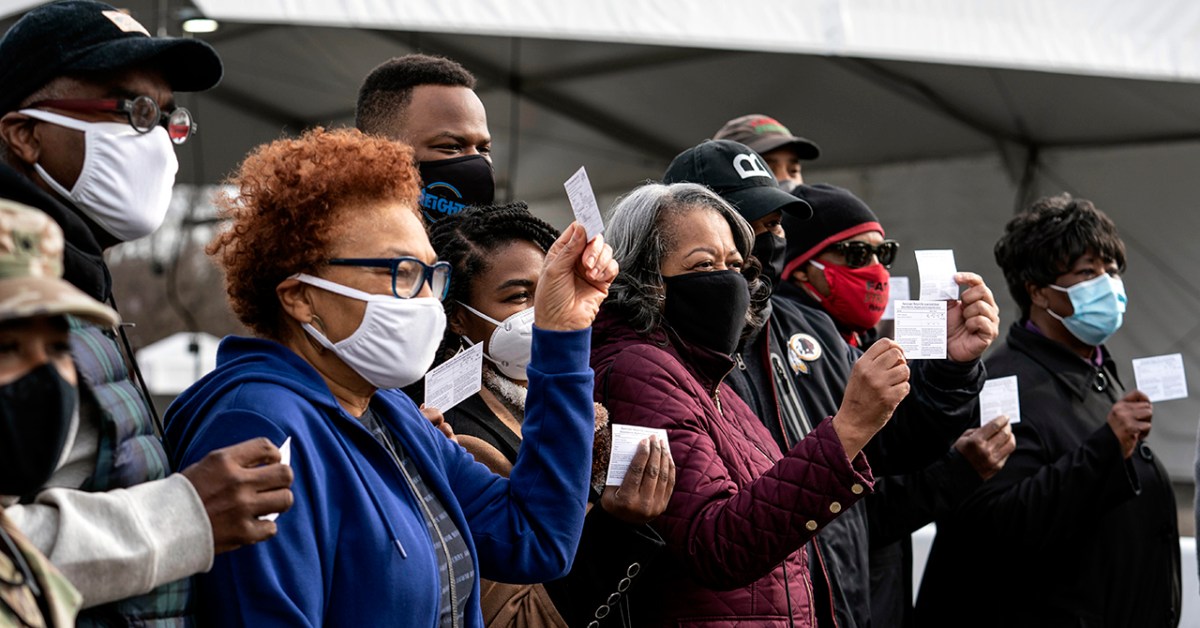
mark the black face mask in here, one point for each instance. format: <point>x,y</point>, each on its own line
<point>708,308</point>
<point>450,185</point>
<point>770,250</point>
<point>35,419</point>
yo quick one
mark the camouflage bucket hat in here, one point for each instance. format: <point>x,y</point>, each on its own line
<point>31,267</point>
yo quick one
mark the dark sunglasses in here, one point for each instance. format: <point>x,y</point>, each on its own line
<point>858,254</point>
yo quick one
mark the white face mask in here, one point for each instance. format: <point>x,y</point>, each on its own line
<point>396,341</point>
<point>511,343</point>
<point>125,184</point>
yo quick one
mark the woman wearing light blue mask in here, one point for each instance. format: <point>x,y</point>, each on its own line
<point>1083,514</point>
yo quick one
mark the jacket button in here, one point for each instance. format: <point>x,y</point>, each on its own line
<point>835,508</point>
<point>811,525</point>
<point>857,489</point>
<point>602,612</point>
<point>633,570</point>
<point>613,599</point>
<point>624,584</point>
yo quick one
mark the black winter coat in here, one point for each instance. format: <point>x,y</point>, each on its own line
<point>1068,533</point>
<point>793,374</point>
<point>611,553</point>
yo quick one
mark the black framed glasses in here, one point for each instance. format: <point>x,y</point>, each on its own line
<point>858,254</point>
<point>409,274</point>
<point>143,111</point>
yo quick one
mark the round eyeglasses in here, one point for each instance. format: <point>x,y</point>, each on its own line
<point>858,254</point>
<point>409,275</point>
<point>143,112</point>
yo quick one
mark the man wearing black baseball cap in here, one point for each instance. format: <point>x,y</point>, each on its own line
<point>741,177</point>
<point>782,151</point>
<point>88,126</point>
<point>794,370</point>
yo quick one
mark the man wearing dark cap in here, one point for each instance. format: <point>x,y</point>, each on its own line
<point>837,263</point>
<point>88,126</point>
<point>793,370</point>
<point>782,151</point>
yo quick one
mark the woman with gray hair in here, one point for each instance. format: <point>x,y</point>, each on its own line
<point>742,510</point>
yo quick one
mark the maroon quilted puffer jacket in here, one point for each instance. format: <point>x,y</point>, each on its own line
<point>742,510</point>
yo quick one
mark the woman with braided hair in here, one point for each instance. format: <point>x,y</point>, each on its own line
<point>496,254</point>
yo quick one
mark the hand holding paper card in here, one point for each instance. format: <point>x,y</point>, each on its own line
<point>897,291</point>
<point>999,397</point>
<point>921,329</point>
<point>1161,377</point>
<point>937,271</point>
<point>583,203</point>
<point>285,458</point>
<point>455,379</point>
<point>625,441</point>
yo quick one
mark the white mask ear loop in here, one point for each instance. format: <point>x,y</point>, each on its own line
<point>481,314</point>
<point>57,120</point>
<point>60,120</point>
<point>472,343</point>
<point>1066,291</point>
<point>338,288</point>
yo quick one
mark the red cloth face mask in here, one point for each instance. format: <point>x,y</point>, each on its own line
<point>857,296</point>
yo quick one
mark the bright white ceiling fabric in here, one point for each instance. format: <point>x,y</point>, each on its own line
<point>1153,39</point>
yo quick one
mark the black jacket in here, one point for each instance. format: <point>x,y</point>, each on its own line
<point>83,256</point>
<point>901,505</point>
<point>611,552</point>
<point>1069,533</point>
<point>793,373</point>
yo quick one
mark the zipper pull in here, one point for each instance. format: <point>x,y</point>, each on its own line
<point>737,358</point>
<point>717,400</point>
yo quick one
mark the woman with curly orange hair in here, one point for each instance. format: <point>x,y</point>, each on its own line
<point>327,262</point>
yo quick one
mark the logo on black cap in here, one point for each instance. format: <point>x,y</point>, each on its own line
<point>751,165</point>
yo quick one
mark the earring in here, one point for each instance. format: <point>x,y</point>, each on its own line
<point>316,320</point>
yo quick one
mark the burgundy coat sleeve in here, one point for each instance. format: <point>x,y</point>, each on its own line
<point>738,510</point>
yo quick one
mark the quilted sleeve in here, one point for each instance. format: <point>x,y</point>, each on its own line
<point>731,535</point>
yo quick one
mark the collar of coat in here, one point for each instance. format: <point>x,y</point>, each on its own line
<point>1077,374</point>
<point>709,367</point>
<point>83,257</point>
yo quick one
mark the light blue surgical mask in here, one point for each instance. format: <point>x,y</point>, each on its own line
<point>1099,308</point>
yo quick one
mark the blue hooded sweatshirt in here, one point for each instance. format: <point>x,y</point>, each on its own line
<point>354,549</point>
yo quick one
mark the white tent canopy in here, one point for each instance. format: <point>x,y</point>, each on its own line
<point>177,361</point>
<point>1109,38</point>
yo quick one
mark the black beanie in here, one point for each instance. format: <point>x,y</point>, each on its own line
<point>837,215</point>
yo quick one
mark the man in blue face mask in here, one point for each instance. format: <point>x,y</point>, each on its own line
<point>88,129</point>
<point>430,104</point>
<point>1083,514</point>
